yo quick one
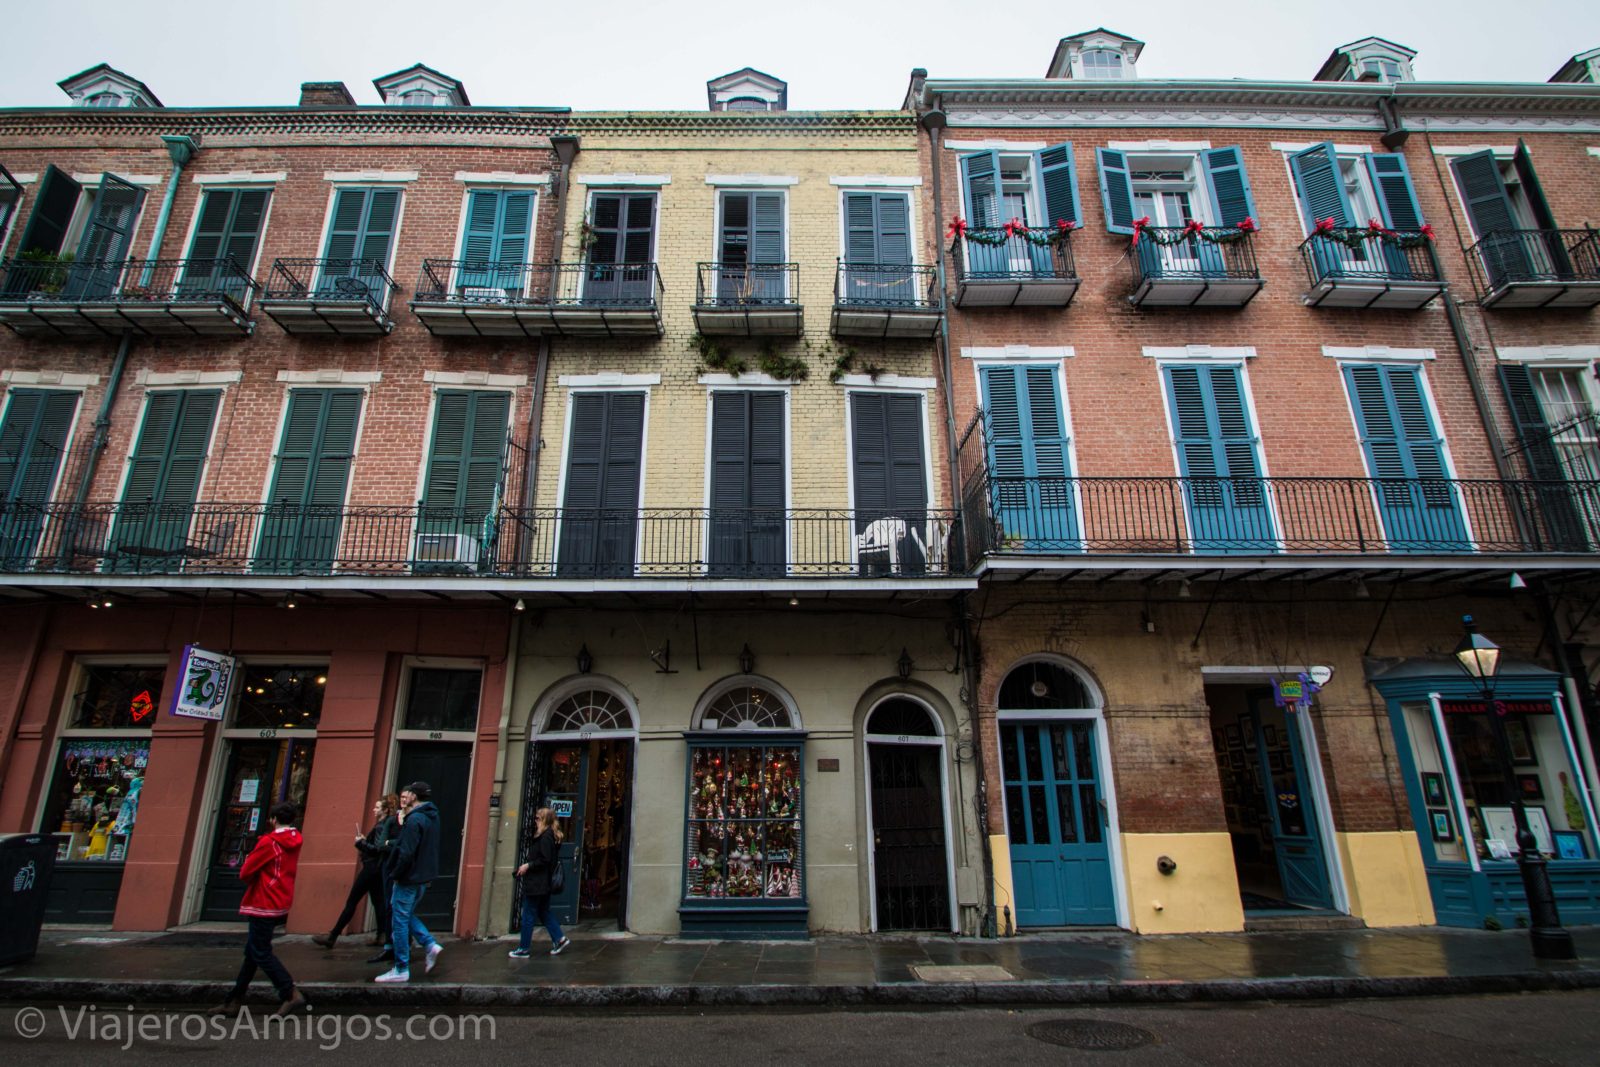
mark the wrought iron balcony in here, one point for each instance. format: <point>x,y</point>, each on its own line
<point>152,297</point>
<point>1537,268</point>
<point>997,269</point>
<point>748,300</point>
<point>330,297</point>
<point>1259,516</point>
<point>885,300</point>
<point>1175,267</point>
<point>1363,268</point>
<point>219,539</point>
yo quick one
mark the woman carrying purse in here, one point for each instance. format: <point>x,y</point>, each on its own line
<point>544,853</point>
<point>374,850</point>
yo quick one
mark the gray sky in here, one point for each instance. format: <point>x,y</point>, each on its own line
<point>833,53</point>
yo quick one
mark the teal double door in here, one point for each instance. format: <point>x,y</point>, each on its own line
<point>1058,823</point>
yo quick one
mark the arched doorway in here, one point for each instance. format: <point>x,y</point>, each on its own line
<point>907,820</point>
<point>580,763</point>
<point>1054,766</point>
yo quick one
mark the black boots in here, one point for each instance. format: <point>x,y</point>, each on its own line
<point>325,940</point>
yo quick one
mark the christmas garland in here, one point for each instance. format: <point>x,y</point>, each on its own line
<point>1353,238</point>
<point>994,238</point>
<point>1220,235</point>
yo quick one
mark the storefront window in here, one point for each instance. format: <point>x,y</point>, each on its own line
<point>116,697</point>
<point>281,698</point>
<point>1542,778</point>
<point>744,838</point>
<point>443,699</point>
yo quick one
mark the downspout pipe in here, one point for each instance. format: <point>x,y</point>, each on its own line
<point>181,149</point>
<point>934,122</point>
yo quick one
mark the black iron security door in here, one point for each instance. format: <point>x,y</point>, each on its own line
<point>911,883</point>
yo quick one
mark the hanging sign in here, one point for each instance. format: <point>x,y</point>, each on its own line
<point>206,678</point>
<point>1288,691</point>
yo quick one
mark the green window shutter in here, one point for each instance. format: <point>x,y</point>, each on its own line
<point>53,208</point>
<point>109,234</point>
<point>980,178</point>
<point>483,228</point>
<point>212,228</point>
<point>1230,185</point>
<point>1397,197</point>
<point>33,438</point>
<point>1321,185</point>
<point>165,469</point>
<point>1058,174</point>
<point>1116,189</point>
<point>227,231</point>
<point>1488,205</point>
<point>1533,430</point>
<point>1543,217</point>
<point>383,209</point>
<point>317,447</point>
<point>344,231</point>
<point>468,452</point>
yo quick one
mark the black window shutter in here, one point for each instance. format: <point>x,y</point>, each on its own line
<point>10,197</point>
<point>1543,217</point>
<point>1488,206</point>
<point>601,499</point>
<point>747,483</point>
<point>890,467</point>
<point>1563,526</point>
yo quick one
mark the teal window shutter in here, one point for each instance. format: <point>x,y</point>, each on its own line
<point>363,225</point>
<point>1219,456</point>
<point>109,234</point>
<point>1116,189</point>
<point>1028,456</point>
<point>344,230</point>
<point>1230,185</point>
<point>1321,185</point>
<point>165,469</point>
<point>1058,174</point>
<point>483,228</point>
<point>516,225</point>
<point>305,505</point>
<point>1397,197</point>
<point>53,208</point>
<point>980,178</point>
<point>1543,217</point>
<point>1483,190</point>
<point>383,209</point>
<point>466,459</point>
<point>33,439</point>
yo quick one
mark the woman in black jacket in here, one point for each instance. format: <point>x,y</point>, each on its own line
<point>544,852</point>
<point>374,848</point>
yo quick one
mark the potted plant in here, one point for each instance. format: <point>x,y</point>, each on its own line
<point>44,273</point>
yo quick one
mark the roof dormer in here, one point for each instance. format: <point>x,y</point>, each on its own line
<point>421,86</point>
<point>1099,55</point>
<point>747,90</point>
<point>1583,67</point>
<point>1371,59</point>
<point>105,86</point>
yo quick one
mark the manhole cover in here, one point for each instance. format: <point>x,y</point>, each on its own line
<point>944,972</point>
<point>1090,1034</point>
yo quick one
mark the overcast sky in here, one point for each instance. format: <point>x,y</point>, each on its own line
<point>645,55</point>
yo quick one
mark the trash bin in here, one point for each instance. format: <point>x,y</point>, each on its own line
<point>26,864</point>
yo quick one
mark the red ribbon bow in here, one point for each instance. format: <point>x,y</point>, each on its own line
<point>1325,226</point>
<point>958,227</point>
<point>1247,224</point>
<point>1427,230</point>
<point>1138,225</point>
<point>1014,227</point>
<point>1066,225</point>
<point>1194,226</point>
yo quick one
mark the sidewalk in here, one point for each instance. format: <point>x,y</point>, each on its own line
<point>605,969</point>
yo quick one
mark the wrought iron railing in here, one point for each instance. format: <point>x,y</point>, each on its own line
<point>736,285</point>
<point>1278,515</point>
<point>128,281</point>
<point>990,254</point>
<point>354,281</point>
<point>1160,253</point>
<point>1511,257</point>
<point>478,282</point>
<point>220,539</point>
<point>610,285</point>
<point>1357,255</point>
<point>868,285</point>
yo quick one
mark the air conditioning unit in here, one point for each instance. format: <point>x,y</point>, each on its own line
<point>445,553</point>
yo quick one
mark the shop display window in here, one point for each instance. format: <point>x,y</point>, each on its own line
<point>280,697</point>
<point>95,798</point>
<point>1543,779</point>
<point>116,698</point>
<point>443,699</point>
<point>744,832</point>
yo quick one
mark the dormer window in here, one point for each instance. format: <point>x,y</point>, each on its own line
<point>1371,59</point>
<point>105,86</point>
<point>417,98</point>
<point>1102,64</point>
<point>1386,70</point>
<point>421,86</point>
<point>103,100</point>
<point>748,103</point>
<point>747,90</point>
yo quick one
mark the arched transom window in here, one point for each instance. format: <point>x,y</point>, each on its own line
<point>1040,685</point>
<point>589,709</point>
<point>747,707</point>
<point>901,718</point>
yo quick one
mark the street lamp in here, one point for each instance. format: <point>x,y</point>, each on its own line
<point>1479,659</point>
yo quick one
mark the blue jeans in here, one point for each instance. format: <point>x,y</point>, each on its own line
<point>258,953</point>
<point>537,909</point>
<point>403,900</point>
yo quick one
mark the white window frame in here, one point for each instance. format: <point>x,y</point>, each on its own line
<point>484,184</point>
<point>376,180</point>
<point>743,681</point>
<point>722,191</point>
<point>243,186</point>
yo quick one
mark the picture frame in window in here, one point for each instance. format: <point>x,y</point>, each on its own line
<point>1520,740</point>
<point>1439,822</point>
<point>1236,759</point>
<point>1247,727</point>
<point>1499,824</point>
<point>1570,845</point>
<point>1231,732</point>
<point>1269,734</point>
<point>1278,761</point>
<point>1530,787</point>
<point>1433,795</point>
<point>1539,825</point>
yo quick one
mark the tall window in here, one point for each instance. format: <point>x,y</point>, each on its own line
<point>1102,64</point>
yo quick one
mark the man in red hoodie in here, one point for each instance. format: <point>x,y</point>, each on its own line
<point>268,873</point>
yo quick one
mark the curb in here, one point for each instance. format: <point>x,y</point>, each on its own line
<point>893,994</point>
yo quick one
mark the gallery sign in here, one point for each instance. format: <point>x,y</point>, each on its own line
<point>204,683</point>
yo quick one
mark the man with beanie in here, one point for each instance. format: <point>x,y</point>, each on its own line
<point>268,875</point>
<point>413,863</point>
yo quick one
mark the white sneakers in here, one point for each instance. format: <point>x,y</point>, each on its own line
<point>394,974</point>
<point>433,957</point>
<point>560,946</point>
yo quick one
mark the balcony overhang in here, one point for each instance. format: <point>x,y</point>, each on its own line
<point>1337,291</point>
<point>749,320</point>
<point>981,292</point>
<point>1311,567</point>
<point>456,318</point>
<point>328,317</point>
<point>886,322</point>
<point>216,317</point>
<point>600,320</point>
<point>1194,292</point>
<point>1553,293</point>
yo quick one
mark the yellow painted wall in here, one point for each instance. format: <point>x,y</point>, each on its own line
<point>1001,888</point>
<point>1201,895</point>
<point>1386,880</point>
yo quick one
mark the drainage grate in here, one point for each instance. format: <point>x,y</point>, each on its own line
<point>1090,1034</point>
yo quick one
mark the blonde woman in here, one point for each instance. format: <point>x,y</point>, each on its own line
<point>373,848</point>
<point>544,851</point>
